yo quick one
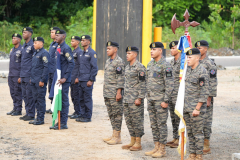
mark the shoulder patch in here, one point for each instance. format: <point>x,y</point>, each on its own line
<point>119,70</point>
<point>201,81</point>
<point>95,55</point>
<point>168,72</point>
<point>142,76</point>
<point>213,73</point>
<point>45,59</point>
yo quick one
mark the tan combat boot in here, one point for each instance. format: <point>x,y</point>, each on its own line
<point>171,142</point>
<point>206,147</point>
<point>137,146</point>
<point>199,157</point>
<point>109,138</point>
<point>116,139</point>
<point>161,151</point>
<point>175,144</point>
<point>154,150</point>
<point>133,140</point>
<point>191,157</point>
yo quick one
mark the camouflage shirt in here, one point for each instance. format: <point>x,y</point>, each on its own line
<point>211,68</point>
<point>159,80</point>
<point>113,77</point>
<point>135,84</point>
<point>196,87</point>
<point>176,71</point>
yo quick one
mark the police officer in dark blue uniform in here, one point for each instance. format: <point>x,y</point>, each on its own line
<point>39,78</point>
<point>67,65</point>
<point>87,72</point>
<point>75,41</point>
<point>52,60</point>
<point>14,80</point>
<point>26,65</point>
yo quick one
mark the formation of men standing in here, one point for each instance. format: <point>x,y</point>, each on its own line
<point>159,83</point>
<point>32,68</point>
<point>124,90</point>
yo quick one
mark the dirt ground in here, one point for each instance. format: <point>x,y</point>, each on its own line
<point>20,140</point>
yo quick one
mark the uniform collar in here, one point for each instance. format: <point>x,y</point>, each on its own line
<point>62,44</point>
<point>160,61</point>
<point>205,58</point>
<point>30,42</point>
<point>196,69</point>
<point>87,50</point>
<point>39,50</point>
<point>134,64</point>
<point>114,58</point>
<point>76,49</point>
<point>19,47</point>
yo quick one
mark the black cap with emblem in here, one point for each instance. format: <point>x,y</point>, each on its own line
<point>201,43</point>
<point>29,29</point>
<point>193,51</point>
<point>86,37</point>
<point>54,28</point>
<point>132,48</point>
<point>114,44</point>
<point>156,45</point>
<point>60,31</point>
<point>76,38</point>
<point>17,35</point>
<point>38,39</point>
<point>173,43</point>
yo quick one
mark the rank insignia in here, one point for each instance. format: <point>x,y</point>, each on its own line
<point>95,55</point>
<point>153,45</point>
<point>118,70</point>
<point>201,81</point>
<point>198,44</point>
<point>129,48</point>
<point>83,37</point>
<point>173,44</point>
<point>109,43</point>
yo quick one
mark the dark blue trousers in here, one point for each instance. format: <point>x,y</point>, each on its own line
<point>39,94</point>
<point>16,93</point>
<point>86,104</point>
<point>65,102</point>
<point>50,79</point>
<point>75,98</point>
<point>28,97</point>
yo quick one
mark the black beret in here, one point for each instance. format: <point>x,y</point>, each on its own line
<point>60,31</point>
<point>201,43</point>
<point>17,35</point>
<point>54,28</point>
<point>132,48</point>
<point>29,29</point>
<point>173,43</point>
<point>86,37</point>
<point>38,39</point>
<point>156,45</point>
<point>193,51</point>
<point>76,37</point>
<point>114,44</point>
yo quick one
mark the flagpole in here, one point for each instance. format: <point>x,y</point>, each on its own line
<point>59,121</point>
<point>182,147</point>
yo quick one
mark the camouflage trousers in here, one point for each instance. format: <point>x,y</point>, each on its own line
<point>195,131</point>
<point>115,112</point>
<point>207,128</point>
<point>174,118</point>
<point>134,117</point>
<point>158,118</point>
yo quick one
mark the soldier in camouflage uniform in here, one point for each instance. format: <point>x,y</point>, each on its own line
<point>112,89</point>
<point>133,100</point>
<point>159,89</point>
<point>211,68</point>
<point>196,94</point>
<point>175,64</point>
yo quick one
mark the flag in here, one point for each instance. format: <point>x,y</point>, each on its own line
<point>183,46</point>
<point>56,89</point>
